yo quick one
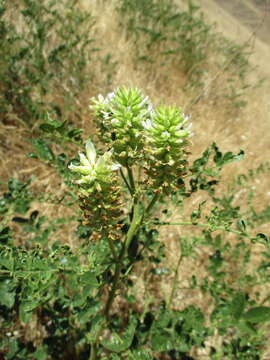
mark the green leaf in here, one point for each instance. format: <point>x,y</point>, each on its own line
<point>241,225</point>
<point>262,239</point>
<point>257,314</point>
<point>40,354</point>
<point>238,305</point>
<point>43,149</point>
<point>89,278</point>
<point>140,355</point>
<point>119,343</point>
<point>48,128</point>
<point>7,293</point>
<point>26,309</point>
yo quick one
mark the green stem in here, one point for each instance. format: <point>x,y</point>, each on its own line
<point>93,354</point>
<point>112,247</point>
<point>134,227</point>
<point>125,181</point>
<point>181,257</point>
<point>151,204</point>
<point>131,180</point>
<point>201,225</point>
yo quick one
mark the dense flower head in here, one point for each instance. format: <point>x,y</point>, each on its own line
<point>120,119</point>
<point>93,173</point>
<point>99,192</point>
<point>167,135</point>
<point>136,135</point>
<point>168,128</point>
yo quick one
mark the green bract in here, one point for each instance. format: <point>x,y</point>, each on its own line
<point>167,128</point>
<point>92,171</point>
<point>99,192</point>
<point>120,117</point>
<point>167,135</point>
<point>140,135</point>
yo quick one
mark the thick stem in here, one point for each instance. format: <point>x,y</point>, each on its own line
<point>93,354</point>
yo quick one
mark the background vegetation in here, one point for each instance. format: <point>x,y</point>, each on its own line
<point>194,292</point>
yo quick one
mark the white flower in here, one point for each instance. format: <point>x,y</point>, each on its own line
<point>115,121</point>
<point>90,152</point>
<point>90,169</point>
<point>115,167</point>
<point>109,97</point>
<point>166,134</point>
<point>145,100</point>
<point>106,115</point>
<point>148,124</point>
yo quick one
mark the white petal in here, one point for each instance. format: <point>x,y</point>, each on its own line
<point>100,98</point>
<point>166,134</point>
<point>84,170</point>
<point>90,152</point>
<point>115,167</point>
<point>84,161</point>
<point>115,122</point>
<point>147,124</point>
<point>104,159</point>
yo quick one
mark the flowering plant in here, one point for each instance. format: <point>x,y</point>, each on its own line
<point>86,295</point>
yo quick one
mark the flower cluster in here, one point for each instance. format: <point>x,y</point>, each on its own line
<point>93,173</point>
<point>120,118</point>
<point>99,190</point>
<point>167,136</point>
<point>136,136</point>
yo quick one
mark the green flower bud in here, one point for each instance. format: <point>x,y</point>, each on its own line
<point>120,118</point>
<point>99,192</point>
<point>93,173</point>
<point>167,135</point>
